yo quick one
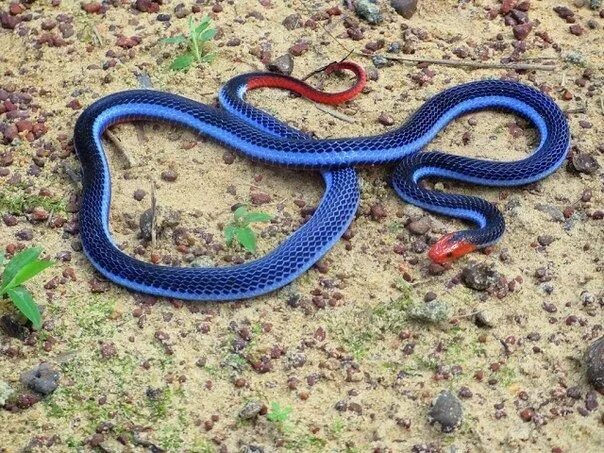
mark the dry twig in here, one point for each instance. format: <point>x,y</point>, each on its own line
<point>469,64</point>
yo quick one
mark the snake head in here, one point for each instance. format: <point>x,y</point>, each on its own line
<point>449,248</point>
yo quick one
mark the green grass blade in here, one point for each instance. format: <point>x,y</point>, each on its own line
<point>28,271</point>
<point>25,303</point>
<point>18,261</point>
<point>183,62</point>
<point>257,217</point>
<point>245,236</point>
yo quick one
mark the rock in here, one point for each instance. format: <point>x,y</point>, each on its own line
<point>405,8</point>
<point>555,213</point>
<point>381,62</point>
<point>446,411</point>
<point>292,21</point>
<point>9,22</point>
<point>479,276</point>
<point>146,6</point>
<point>139,194</point>
<point>584,163</point>
<point>420,226</point>
<point>385,120</point>
<point>564,12</point>
<point>431,312</point>
<point>259,198</point>
<point>169,175</point>
<point>522,31</point>
<point>300,47</point>
<point>484,318</point>
<point>11,327</point>
<point>233,42</point>
<point>5,392</point>
<point>145,223</point>
<point>251,410</point>
<point>594,363</point>
<point>42,379</point>
<point>378,212</point>
<point>92,7</point>
<point>545,239</point>
<point>368,11</point>
<point>282,65</point>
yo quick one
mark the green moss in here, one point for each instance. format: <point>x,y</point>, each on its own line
<point>16,201</point>
<point>160,403</point>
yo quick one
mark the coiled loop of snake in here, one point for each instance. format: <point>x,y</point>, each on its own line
<point>264,138</point>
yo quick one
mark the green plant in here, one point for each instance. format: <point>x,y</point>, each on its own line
<point>239,229</point>
<point>278,414</point>
<point>199,36</point>
<point>17,271</point>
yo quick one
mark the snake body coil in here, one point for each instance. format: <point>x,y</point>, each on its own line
<point>260,136</point>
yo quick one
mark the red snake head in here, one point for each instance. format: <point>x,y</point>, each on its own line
<point>449,248</point>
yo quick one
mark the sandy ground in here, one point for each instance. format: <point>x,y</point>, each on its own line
<point>337,346</point>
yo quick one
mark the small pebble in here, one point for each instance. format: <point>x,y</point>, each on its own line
<point>584,163</point>
<point>169,175</point>
<point>594,363</point>
<point>42,379</point>
<point>369,11</point>
<point>447,411</point>
<point>282,65</point>
<point>405,8</point>
<point>251,410</point>
<point>479,276</point>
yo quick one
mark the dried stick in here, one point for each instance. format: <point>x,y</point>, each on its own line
<point>335,114</point>
<point>469,64</point>
<point>118,144</point>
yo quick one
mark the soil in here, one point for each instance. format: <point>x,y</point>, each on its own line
<point>346,358</point>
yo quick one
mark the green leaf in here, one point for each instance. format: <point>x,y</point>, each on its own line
<point>1,258</point>
<point>175,39</point>
<point>18,261</point>
<point>240,212</point>
<point>245,236</point>
<point>207,35</point>
<point>25,303</point>
<point>28,271</point>
<point>257,217</point>
<point>203,24</point>
<point>229,233</point>
<point>208,58</point>
<point>182,62</point>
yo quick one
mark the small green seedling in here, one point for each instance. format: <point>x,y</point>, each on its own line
<point>278,414</point>
<point>17,271</point>
<point>199,36</point>
<point>239,229</point>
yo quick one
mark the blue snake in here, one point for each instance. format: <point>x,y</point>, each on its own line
<point>260,136</point>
